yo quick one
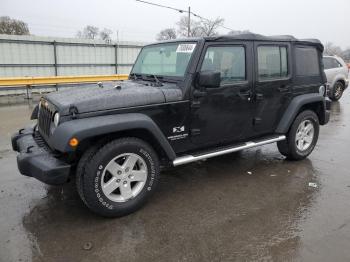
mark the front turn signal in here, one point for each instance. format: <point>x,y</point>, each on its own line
<point>73,142</point>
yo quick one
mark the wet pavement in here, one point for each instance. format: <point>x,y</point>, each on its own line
<point>248,206</point>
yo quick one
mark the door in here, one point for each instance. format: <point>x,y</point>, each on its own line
<point>224,113</point>
<point>272,85</point>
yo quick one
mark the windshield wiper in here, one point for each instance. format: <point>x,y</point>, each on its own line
<point>158,83</point>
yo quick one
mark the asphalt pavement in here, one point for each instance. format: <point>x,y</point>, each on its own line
<point>248,206</point>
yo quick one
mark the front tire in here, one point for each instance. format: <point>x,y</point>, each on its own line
<point>302,136</point>
<point>120,177</point>
<point>337,91</point>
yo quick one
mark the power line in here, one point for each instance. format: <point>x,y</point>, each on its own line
<point>183,11</point>
<point>169,7</point>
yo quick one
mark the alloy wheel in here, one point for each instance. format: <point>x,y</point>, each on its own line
<point>124,177</point>
<point>305,135</point>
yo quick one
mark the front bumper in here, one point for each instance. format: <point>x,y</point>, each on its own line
<point>36,160</point>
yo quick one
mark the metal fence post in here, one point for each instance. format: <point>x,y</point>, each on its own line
<point>116,58</point>
<point>29,92</point>
<point>55,59</point>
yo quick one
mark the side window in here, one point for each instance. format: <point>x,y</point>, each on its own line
<point>228,60</point>
<point>328,63</point>
<point>272,62</point>
<point>306,61</point>
<point>335,63</point>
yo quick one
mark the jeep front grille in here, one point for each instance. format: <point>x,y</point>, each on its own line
<point>46,113</point>
<point>40,141</point>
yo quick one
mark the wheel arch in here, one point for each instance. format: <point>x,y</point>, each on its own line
<point>105,128</point>
<point>139,133</point>
<point>314,102</point>
<point>337,78</point>
<point>342,81</point>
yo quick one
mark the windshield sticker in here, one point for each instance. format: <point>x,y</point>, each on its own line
<point>185,48</point>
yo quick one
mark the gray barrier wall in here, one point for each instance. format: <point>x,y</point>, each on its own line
<point>45,56</point>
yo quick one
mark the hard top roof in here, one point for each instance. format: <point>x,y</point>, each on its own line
<point>251,37</point>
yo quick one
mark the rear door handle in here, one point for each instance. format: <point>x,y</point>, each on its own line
<point>259,96</point>
<point>246,95</point>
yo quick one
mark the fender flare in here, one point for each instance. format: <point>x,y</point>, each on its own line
<point>294,107</point>
<point>103,125</point>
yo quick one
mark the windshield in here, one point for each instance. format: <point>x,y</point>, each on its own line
<point>168,59</point>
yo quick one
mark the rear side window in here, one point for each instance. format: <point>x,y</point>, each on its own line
<point>228,60</point>
<point>306,60</point>
<point>272,62</point>
<point>330,63</point>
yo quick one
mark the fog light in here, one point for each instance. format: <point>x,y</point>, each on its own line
<point>73,142</point>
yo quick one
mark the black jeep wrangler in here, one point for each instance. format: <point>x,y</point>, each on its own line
<point>185,100</point>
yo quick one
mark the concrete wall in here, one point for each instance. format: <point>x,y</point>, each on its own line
<point>46,56</point>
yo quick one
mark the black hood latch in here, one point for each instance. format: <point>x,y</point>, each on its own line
<point>73,111</point>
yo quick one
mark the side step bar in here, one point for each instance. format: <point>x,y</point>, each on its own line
<point>190,158</point>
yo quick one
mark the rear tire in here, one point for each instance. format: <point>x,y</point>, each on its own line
<point>302,136</point>
<point>119,177</point>
<point>337,91</point>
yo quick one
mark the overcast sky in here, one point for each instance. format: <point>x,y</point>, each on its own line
<point>326,20</point>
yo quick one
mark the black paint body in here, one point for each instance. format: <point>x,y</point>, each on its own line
<point>200,118</point>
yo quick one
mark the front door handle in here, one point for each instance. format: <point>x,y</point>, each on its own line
<point>198,94</point>
<point>283,88</point>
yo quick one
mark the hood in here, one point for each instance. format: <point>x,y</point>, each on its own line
<point>91,97</point>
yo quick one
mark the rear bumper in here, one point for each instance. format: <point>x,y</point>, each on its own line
<point>37,160</point>
<point>327,112</point>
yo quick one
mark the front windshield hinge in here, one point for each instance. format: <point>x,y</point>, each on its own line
<point>135,76</point>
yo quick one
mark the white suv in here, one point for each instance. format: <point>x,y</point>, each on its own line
<point>337,73</point>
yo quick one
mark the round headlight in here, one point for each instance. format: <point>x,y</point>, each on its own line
<point>322,90</point>
<point>56,119</point>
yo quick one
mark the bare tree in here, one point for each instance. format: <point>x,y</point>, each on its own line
<point>209,27</point>
<point>89,32</point>
<point>346,55</point>
<point>204,27</point>
<point>166,34</point>
<point>105,35</point>
<point>10,26</point>
<point>195,27</point>
<point>331,49</point>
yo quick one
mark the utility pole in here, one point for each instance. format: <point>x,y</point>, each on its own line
<point>189,22</point>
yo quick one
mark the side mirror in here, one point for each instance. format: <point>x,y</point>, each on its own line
<point>209,79</point>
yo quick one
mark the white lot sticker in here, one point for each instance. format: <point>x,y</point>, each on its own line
<point>185,48</point>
